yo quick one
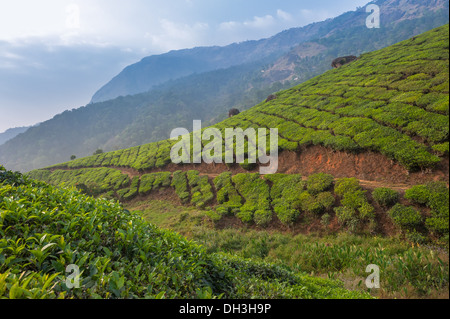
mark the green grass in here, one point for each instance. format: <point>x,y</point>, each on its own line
<point>407,271</point>
<point>394,101</point>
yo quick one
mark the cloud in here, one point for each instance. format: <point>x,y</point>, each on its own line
<point>255,28</point>
<point>256,23</point>
<point>39,80</point>
<point>172,35</point>
<point>284,15</point>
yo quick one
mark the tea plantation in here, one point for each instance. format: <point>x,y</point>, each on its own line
<point>259,200</point>
<point>44,229</point>
<point>394,101</point>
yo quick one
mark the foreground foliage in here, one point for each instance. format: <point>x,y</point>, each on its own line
<point>44,229</point>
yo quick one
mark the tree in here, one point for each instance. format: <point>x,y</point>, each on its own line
<point>73,157</point>
<point>99,151</point>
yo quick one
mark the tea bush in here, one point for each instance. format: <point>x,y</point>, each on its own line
<point>154,181</point>
<point>405,217</point>
<point>284,193</point>
<point>434,195</point>
<point>355,209</point>
<point>318,183</point>
<point>228,198</point>
<point>201,190</point>
<point>257,198</point>
<point>385,196</point>
<point>180,182</point>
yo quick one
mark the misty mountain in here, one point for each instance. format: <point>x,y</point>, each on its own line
<point>150,71</point>
<point>11,133</point>
<point>150,116</point>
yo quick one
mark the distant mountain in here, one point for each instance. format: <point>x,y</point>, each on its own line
<point>150,71</point>
<point>150,116</point>
<point>11,133</point>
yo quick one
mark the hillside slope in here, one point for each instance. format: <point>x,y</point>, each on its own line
<point>378,127</point>
<point>154,70</point>
<point>149,117</point>
<point>45,229</point>
<point>393,102</point>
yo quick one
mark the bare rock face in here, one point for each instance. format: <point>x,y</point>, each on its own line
<point>338,62</point>
<point>233,112</point>
<point>271,97</point>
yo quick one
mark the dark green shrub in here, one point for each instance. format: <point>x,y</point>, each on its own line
<point>130,193</point>
<point>262,217</point>
<point>256,194</point>
<point>385,196</point>
<point>246,214</point>
<point>418,194</point>
<point>305,199</point>
<point>405,217</point>
<point>346,185</point>
<point>318,183</point>
<point>437,225</point>
<point>415,237</point>
<point>442,149</point>
<point>326,200</point>
<point>434,195</point>
<point>354,199</point>
<point>201,190</point>
<point>214,215</point>
<point>345,214</point>
<point>285,192</point>
<point>286,214</point>
<point>179,181</point>
<point>227,195</point>
<point>366,212</point>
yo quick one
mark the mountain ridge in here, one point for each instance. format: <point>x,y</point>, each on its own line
<point>143,75</point>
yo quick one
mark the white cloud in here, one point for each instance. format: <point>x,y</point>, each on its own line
<point>256,23</point>
<point>73,16</point>
<point>255,28</point>
<point>284,15</point>
<point>173,35</point>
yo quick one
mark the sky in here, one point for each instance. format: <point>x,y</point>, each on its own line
<point>55,54</point>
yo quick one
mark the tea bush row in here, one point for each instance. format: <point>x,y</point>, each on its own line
<point>44,229</point>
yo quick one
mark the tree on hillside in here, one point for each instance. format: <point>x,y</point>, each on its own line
<point>73,157</point>
<point>99,151</point>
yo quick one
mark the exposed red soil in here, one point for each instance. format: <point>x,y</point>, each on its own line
<point>372,169</point>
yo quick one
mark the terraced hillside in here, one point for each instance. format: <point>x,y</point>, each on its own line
<point>392,104</point>
<point>363,151</point>
<point>44,229</point>
<point>280,200</point>
<point>388,109</point>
